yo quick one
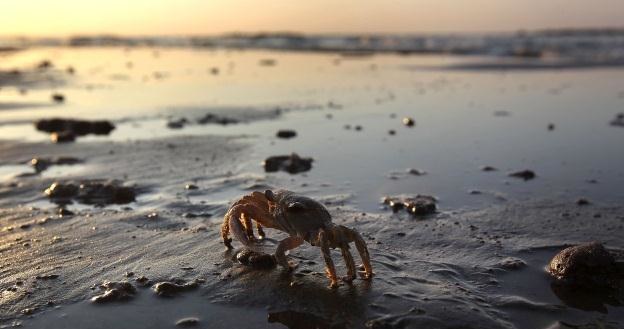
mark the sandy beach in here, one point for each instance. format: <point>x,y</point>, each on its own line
<point>191,130</point>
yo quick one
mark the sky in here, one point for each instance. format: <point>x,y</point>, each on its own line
<point>195,17</point>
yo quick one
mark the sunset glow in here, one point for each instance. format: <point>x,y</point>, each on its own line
<point>162,17</point>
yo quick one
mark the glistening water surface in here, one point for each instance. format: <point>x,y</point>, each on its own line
<point>464,119</point>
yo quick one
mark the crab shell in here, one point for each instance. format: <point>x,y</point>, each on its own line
<point>303,219</point>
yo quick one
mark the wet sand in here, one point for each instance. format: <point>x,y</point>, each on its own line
<point>478,262</point>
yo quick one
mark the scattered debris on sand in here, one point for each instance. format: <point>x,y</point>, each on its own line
<point>47,277</point>
<point>523,174</point>
<point>419,205</point>
<point>94,192</point>
<point>267,62</point>
<point>211,118</point>
<point>177,124</point>
<point>585,265</point>
<point>191,187</point>
<point>416,172</point>
<point>41,164</point>
<point>45,64</point>
<point>289,163</point>
<point>618,121</point>
<point>488,168</point>
<point>286,133</point>
<point>409,122</point>
<point>171,289</point>
<point>255,259</point>
<point>66,130</point>
<point>58,98</point>
<point>187,322</point>
<point>114,291</point>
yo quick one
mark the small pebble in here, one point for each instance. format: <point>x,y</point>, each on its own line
<point>409,122</point>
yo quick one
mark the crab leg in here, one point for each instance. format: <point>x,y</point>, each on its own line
<point>354,236</point>
<point>346,254</point>
<point>248,227</point>
<point>232,222</point>
<point>260,230</point>
<point>289,243</point>
<point>329,263</point>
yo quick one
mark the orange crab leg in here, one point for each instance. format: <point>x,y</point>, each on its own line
<point>362,250</point>
<point>330,269</point>
<point>346,254</point>
<point>232,222</point>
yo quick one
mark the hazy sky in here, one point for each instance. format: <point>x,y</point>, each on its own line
<point>172,17</point>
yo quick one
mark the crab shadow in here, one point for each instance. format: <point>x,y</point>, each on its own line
<point>299,298</point>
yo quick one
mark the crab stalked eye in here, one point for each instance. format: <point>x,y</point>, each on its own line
<point>295,207</point>
<point>269,195</point>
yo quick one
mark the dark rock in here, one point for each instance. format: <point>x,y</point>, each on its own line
<point>586,265</point>
<point>114,291</point>
<point>41,164</point>
<point>62,137</point>
<point>286,133</point>
<point>582,202</point>
<point>65,130</point>
<point>28,311</point>
<point>419,205</point>
<point>47,277</point>
<point>524,174</point>
<point>290,163</point>
<point>409,122</point>
<point>358,128</point>
<point>255,259</point>
<point>391,132</point>
<point>95,192</point>
<point>177,124</point>
<point>58,98</point>
<point>45,64</point>
<point>488,168</point>
<point>64,212</point>
<point>618,121</point>
<point>170,289</point>
<point>416,172</point>
<point>191,187</point>
<point>551,126</point>
<point>213,118</point>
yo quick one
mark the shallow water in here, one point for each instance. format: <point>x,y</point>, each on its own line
<point>456,129</point>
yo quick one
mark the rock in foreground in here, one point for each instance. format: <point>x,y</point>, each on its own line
<point>586,265</point>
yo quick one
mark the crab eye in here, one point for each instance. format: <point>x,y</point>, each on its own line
<point>295,207</point>
<point>269,195</point>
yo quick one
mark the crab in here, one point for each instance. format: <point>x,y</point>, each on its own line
<point>304,219</point>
